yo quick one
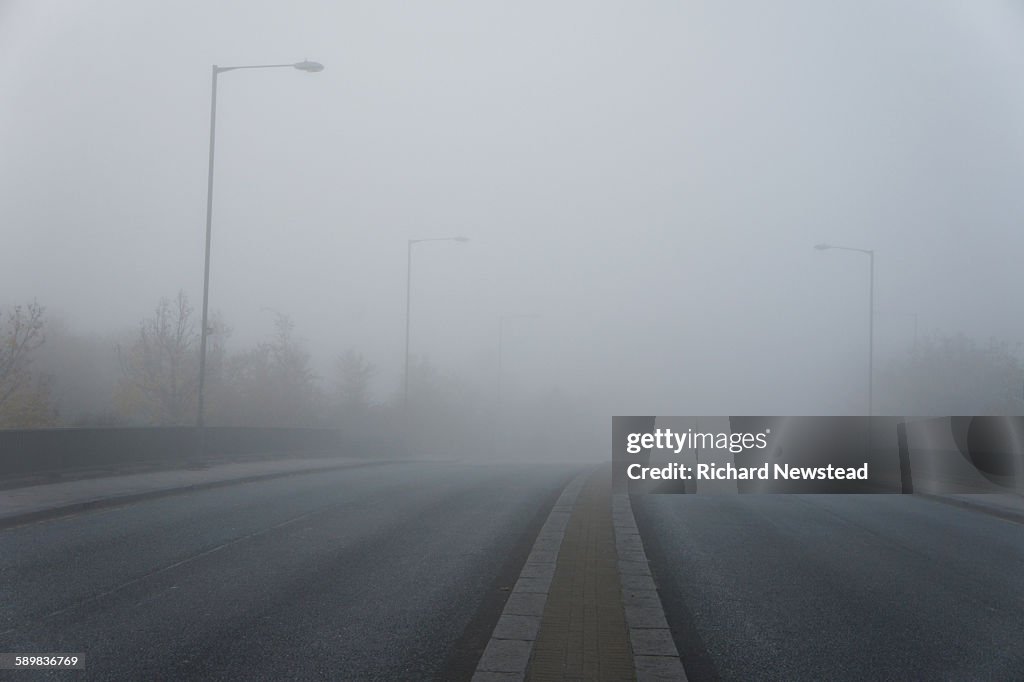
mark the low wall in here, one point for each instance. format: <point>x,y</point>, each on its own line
<point>30,451</point>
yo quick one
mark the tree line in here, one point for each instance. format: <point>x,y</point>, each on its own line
<point>149,378</point>
<point>52,377</point>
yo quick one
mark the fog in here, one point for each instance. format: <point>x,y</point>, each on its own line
<point>647,179</point>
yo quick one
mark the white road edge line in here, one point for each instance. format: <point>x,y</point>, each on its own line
<point>655,656</point>
<point>508,652</point>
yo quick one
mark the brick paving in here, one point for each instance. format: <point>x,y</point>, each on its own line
<point>583,633</point>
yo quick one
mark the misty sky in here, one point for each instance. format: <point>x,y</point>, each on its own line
<point>649,177</point>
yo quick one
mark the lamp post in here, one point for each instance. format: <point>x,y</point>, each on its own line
<point>501,343</point>
<point>305,65</point>
<point>914,315</point>
<point>498,421</point>
<point>408,306</point>
<point>871,315</point>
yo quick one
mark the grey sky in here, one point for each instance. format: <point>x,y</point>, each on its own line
<point>648,176</point>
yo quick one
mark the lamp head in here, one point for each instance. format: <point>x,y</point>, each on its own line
<point>306,65</point>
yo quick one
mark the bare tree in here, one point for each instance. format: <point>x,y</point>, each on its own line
<point>354,374</point>
<point>159,375</point>
<point>24,397</point>
<point>272,384</point>
<point>954,375</point>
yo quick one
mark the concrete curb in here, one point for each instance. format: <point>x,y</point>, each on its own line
<point>508,652</point>
<point>118,500</point>
<point>654,652</point>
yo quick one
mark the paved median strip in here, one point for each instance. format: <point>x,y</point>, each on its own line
<point>583,635</point>
<point>510,648</point>
<point>585,605</point>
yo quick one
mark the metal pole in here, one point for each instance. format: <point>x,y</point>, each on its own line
<point>497,402</point>
<point>408,301</point>
<point>204,331</point>
<point>408,305</point>
<point>871,337</point>
<point>501,337</point>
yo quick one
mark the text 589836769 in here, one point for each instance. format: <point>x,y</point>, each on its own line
<point>42,661</point>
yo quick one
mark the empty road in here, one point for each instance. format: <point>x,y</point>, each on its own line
<point>829,587</point>
<point>392,572</point>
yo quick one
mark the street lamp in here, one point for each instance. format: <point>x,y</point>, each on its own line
<point>498,401</point>
<point>501,342</point>
<point>304,65</point>
<point>871,315</point>
<point>408,305</point>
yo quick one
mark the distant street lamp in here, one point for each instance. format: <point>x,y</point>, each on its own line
<point>871,316</point>
<point>501,343</point>
<point>408,305</point>
<point>498,420</point>
<point>304,65</point>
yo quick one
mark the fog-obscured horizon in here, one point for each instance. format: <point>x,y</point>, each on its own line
<point>642,186</point>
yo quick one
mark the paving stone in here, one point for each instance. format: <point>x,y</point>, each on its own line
<point>517,627</point>
<point>547,544</point>
<point>634,568</point>
<point>505,655</point>
<point>538,570</point>
<point>633,557</point>
<point>645,617</point>
<point>652,642</point>
<point>543,556</point>
<point>650,668</point>
<point>497,677</point>
<point>631,542</point>
<point>532,585</point>
<point>642,598</point>
<point>525,604</point>
<point>637,582</point>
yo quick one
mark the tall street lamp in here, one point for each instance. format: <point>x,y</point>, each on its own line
<point>304,65</point>
<point>408,305</point>
<point>871,316</point>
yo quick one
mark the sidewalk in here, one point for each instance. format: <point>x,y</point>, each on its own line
<point>23,505</point>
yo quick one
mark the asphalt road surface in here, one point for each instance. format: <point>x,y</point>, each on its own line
<point>377,573</point>
<point>823,587</point>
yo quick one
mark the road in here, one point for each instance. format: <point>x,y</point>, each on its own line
<point>390,572</point>
<point>828,587</point>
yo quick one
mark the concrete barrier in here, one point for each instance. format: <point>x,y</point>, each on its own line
<point>26,452</point>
